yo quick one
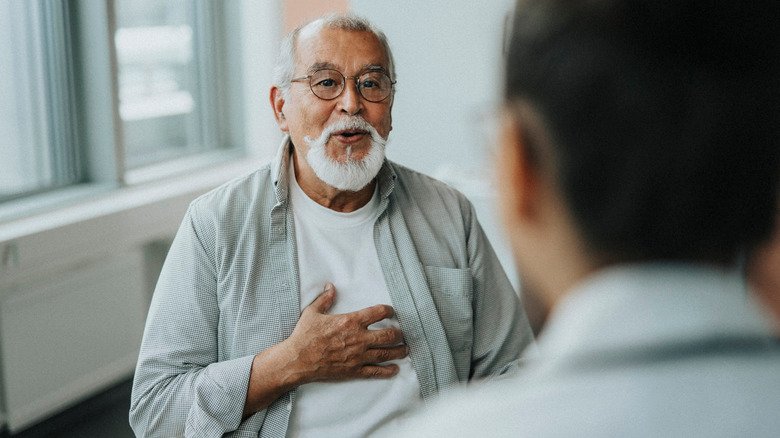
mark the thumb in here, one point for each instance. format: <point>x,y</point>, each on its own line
<point>325,300</point>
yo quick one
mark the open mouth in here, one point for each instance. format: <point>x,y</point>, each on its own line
<point>350,133</point>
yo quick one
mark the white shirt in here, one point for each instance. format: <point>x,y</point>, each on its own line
<point>339,248</point>
<point>630,353</point>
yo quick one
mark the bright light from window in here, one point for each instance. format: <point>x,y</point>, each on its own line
<point>157,78</point>
<point>25,155</point>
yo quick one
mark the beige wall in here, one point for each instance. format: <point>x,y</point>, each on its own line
<point>297,12</point>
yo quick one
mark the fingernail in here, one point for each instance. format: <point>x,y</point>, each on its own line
<point>328,286</point>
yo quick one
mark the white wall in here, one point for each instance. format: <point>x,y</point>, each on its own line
<point>448,62</point>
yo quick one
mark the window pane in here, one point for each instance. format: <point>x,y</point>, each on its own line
<point>25,153</point>
<point>157,80</point>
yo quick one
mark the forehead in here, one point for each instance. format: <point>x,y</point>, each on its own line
<point>346,50</point>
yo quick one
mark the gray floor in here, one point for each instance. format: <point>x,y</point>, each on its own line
<point>104,415</point>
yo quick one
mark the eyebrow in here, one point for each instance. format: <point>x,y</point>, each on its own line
<point>321,66</point>
<point>330,66</point>
<point>373,67</point>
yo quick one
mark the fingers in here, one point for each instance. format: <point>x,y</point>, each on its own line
<point>379,371</point>
<point>379,355</point>
<point>364,317</point>
<point>373,314</point>
<point>385,337</point>
<point>325,300</point>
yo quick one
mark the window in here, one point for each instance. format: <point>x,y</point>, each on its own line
<point>158,75</point>
<point>36,94</point>
<point>165,87</point>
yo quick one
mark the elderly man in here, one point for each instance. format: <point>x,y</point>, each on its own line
<point>639,158</point>
<point>247,332</point>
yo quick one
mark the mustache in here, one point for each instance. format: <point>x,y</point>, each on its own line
<point>344,124</point>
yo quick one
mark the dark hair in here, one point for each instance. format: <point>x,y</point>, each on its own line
<point>662,118</point>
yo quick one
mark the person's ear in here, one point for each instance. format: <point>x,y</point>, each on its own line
<point>521,198</point>
<point>517,172</point>
<point>277,105</point>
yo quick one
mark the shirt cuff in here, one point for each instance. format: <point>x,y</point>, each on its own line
<point>219,398</point>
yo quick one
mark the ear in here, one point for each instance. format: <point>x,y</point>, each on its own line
<point>519,178</point>
<point>277,105</point>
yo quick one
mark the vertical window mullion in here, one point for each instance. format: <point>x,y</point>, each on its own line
<point>61,93</point>
<point>120,146</point>
<point>94,83</point>
<point>39,106</point>
<point>34,132</point>
<point>206,58</point>
<point>199,120</point>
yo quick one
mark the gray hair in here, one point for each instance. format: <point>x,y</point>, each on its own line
<point>285,64</point>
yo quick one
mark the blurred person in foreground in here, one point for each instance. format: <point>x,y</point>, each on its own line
<point>764,274</point>
<point>247,334</point>
<point>638,158</point>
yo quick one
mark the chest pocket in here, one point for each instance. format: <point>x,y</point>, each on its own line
<point>452,291</point>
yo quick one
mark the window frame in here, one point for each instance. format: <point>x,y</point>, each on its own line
<point>86,131</point>
<point>255,31</point>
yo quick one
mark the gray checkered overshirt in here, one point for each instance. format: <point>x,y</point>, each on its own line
<point>229,289</point>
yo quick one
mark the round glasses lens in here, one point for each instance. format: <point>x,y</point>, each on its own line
<point>326,84</point>
<point>374,86</point>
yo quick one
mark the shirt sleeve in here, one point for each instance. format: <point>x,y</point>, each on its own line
<point>501,328</point>
<point>180,387</point>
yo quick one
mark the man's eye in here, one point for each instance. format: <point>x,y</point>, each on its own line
<point>326,83</point>
<point>369,83</point>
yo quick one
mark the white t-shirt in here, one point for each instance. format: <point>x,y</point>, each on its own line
<point>339,248</point>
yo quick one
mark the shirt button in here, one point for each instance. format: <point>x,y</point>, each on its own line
<point>289,406</point>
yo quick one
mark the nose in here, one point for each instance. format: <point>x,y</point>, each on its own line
<point>350,100</point>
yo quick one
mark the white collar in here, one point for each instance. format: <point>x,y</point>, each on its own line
<point>649,304</point>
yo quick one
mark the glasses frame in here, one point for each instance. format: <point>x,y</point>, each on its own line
<point>344,81</point>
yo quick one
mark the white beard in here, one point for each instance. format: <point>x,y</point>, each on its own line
<point>351,175</point>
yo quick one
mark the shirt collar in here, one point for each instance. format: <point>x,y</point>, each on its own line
<point>279,170</point>
<point>648,304</point>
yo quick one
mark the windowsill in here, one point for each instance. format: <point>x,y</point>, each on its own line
<point>39,204</point>
<point>179,166</point>
<point>69,206</point>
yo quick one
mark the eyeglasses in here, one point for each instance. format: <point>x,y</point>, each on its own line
<point>328,84</point>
